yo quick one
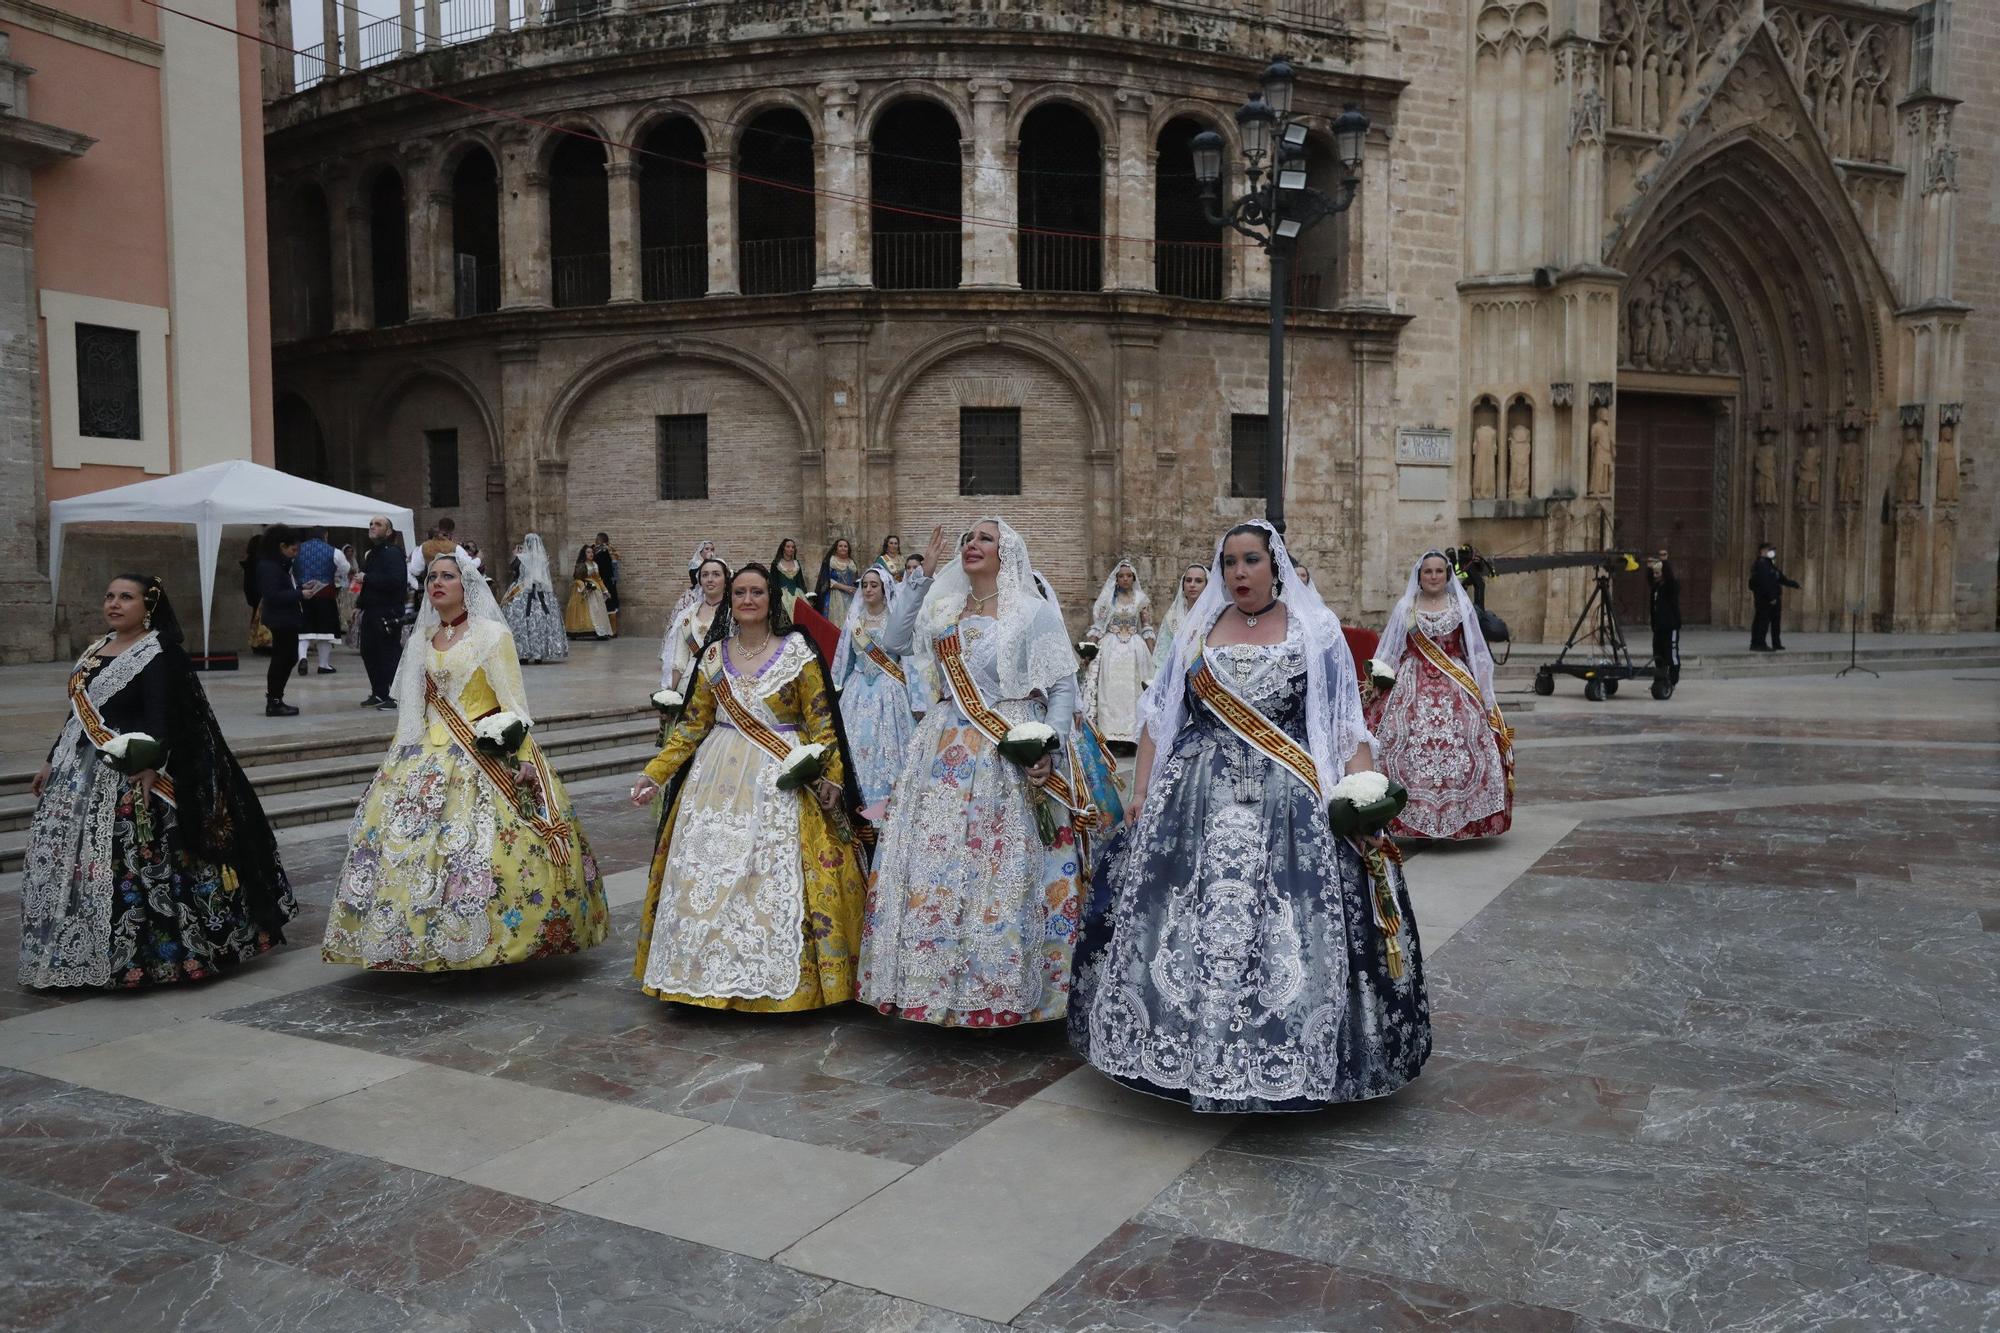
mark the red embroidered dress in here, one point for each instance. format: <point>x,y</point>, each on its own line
<point>1434,736</point>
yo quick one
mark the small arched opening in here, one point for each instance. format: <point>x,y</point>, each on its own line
<point>775,203</point>
<point>673,212</point>
<point>1061,201</point>
<point>1189,257</point>
<point>475,234</point>
<point>388,249</point>
<point>916,218</point>
<point>306,255</point>
<point>298,445</point>
<point>579,223</point>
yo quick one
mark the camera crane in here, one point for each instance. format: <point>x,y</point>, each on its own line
<point>1605,660</point>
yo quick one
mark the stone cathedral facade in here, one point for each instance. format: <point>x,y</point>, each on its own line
<point>1693,273</point>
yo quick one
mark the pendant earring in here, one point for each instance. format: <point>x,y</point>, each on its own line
<point>149,620</point>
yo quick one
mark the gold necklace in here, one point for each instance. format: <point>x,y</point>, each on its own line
<point>978,601</point>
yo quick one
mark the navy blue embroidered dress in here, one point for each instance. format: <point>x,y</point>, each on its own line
<point>1230,955</point>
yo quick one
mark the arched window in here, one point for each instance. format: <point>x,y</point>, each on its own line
<point>914,175</point>
<point>673,212</point>
<point>1316,266</point>
<point>579,223</point>
<point>388,249</point>
<point>775,203</point>
<point>1061,202</point>
<point>305,260</point>
<point>298,446</point>
<point>1188,254</point>
<point>475,234</point>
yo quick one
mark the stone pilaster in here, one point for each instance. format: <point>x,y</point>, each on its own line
<point>1130,216</point>
<point>843,225</point>
<point>353,301</point>
<point>536,497</point>
<point>524,227</point>
<point>622,180</point>
<point>843,482</point>
<point>431,294</point>
<point>721,182</point>
<point>991,245</point>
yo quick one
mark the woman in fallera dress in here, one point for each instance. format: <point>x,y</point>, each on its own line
<point>156,876</point>
<point>587,615</point>
<point>1237,955</point>
<point>837,581</point>
<point>891,558</point>
<point>1438,731</point>
<point>971,913</point>
<point>459,859</point>
<point>754,897</point>
<point>788,575</point>
<point>1093,769</point>
<point>1194,578</point>
<point>874,694</point>
<point>1121,625</point>
<point>532,617</point>
<point>688,632</point>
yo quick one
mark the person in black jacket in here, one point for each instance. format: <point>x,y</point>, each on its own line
<point>1767,589</point>
<point>1666,614</point>
<point>384,579</point>
<point>284,614</point>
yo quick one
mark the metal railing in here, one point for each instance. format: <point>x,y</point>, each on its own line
<point>912,261</point>
<point>1061,263</point>
<point>782,264</point>
<point>1192,269</point>
<point>673,272</point>
<point>476,286</point>
<point>1310,289</point>
<point>581,279</point>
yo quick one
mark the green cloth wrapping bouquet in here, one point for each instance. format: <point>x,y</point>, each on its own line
<point>1363,804</point>
<point>133,752</point>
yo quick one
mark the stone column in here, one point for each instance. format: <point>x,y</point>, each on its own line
<point>721,182</point>
<point>622,175</point>
<point>1132,186</point>
<point>430,234</point>
<point>329,35</point>
<point>841,480</point>
<point>524,227</point>
<point>843,238</point>
<point>1145,447</point>
<point>990,245</point>
<point>407,26</point>
<point>347,227</point>
<point>350,23</point>
<point>434,27</point>
<point>533,502</point>
<point>1378,575</point>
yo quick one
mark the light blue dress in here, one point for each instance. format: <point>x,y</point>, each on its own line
<point>875,709</point>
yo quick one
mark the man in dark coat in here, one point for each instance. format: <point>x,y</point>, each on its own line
<point>1666,614</point>
<point>1767,589</point>
<point>284,614</point>
<point>384,578</point>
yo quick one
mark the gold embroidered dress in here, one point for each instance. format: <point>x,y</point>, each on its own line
<point>443,871</point>
<point>753,901</point>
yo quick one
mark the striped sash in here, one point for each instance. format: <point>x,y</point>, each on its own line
<point>1459,676</point>
<point>747,722</point>
<point>974,706</point>
<point>552,831</point>
<point>887,663</point>
<point>100,735</point>
<point>1251,726</point>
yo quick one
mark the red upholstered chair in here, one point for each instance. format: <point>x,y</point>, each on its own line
<point>1361,643</point>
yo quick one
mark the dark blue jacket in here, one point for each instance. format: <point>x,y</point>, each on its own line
<point>283,607</point>
<point>385,580</point>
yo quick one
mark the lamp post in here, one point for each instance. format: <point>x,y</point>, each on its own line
<point>1275,209</point>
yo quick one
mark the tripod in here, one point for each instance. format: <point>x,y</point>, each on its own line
<point>1854,648</point>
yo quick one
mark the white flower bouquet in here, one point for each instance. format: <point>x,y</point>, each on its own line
<point>500,734</point>
<point>1364,803</point>
<point>805,764</point>
<point>1027,742</point>
<point>133,752</point>
<point>668,701</point>
<point>1380,677</point>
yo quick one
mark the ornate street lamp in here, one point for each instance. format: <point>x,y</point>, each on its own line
<point>1274,210</point>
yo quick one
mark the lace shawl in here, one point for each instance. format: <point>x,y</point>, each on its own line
<point>1396,634</point>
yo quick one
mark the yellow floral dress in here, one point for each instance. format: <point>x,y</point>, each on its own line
<point>443,871</point>
<point>754,900</point>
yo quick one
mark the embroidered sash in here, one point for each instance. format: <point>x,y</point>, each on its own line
<point>747,722</point>
<point>1251,726</point>
<point>973,704</point>
<point>552,831</point>
<point>887,663</point>
<point>1459,676</point>
<point>98,733</point>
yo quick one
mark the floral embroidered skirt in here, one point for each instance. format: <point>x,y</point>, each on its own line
<point>537,627</point>
<point>442,874</point>
<point>875,709</point>
<point>111,897</point>
<point>752,902</point>
<point>970,919</point>
<point>1431,736</point>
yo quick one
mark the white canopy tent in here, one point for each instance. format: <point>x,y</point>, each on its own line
<point>212,498</point>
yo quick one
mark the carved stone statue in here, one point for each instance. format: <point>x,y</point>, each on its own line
<point>1882,128</point>
<point>1910,467</point>
<point>1485,463</point>
<point>1658,346</point>
<point>1833,120</point>
<point>1603,453</point>
<point>1847,473</point>
<point>1947,463</point>
<point>1670,97</point>
<point>1704,339</point>
<point>1649,95</point>
<point>1621,89</point>
<point>1805,476</point>
<point>1764,473</point>
<point>1520,451</point>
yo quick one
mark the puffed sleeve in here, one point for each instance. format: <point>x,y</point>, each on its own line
<point>816,719</point>
<point>901,629</point>
<point>693,726</point>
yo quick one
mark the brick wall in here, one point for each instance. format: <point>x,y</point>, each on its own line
<point>405,463</point>
<point>1975,74</point>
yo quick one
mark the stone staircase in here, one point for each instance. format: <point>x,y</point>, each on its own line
<point>319,781</point>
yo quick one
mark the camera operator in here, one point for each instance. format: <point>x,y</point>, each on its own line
<point>1666,614</point>
<point>380,606</point>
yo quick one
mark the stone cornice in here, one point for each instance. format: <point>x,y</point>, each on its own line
<point>84,32</point>
<point>34,143</point>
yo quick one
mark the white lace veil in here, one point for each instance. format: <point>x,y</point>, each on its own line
<point>1177,607</point>
<point>1100,610</point>
<point>1396,635</point>
<point>1334,725</point>
<point>1035,649</point>
<point>689,600</point>
<point>487,643</point>
<point>534,566</point>
<point>857,611</point>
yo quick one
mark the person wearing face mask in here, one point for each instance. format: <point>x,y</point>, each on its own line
<point>1767,591</point>
<point>1438,729</point>
<point>1237,955</point>
<point>461,858</point>
<point>972,910</point>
